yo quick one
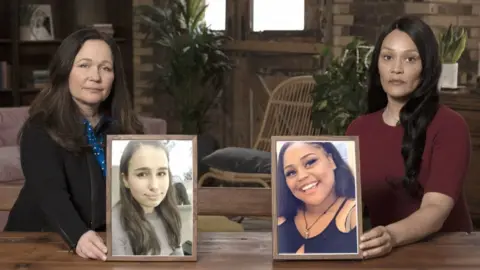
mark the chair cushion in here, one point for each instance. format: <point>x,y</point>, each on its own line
<point>239,160</point>
<point>10,168</point>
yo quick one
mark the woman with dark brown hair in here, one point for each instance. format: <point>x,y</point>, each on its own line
<point>62,143</point>
<point>146,220</point>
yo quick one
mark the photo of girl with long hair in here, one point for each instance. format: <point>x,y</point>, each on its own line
<point>315,199</point>
<point>146,220</point>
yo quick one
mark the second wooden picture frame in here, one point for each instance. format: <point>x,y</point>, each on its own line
<point>316,198</point>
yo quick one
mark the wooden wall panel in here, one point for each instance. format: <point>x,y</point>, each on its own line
<point>468,105</point>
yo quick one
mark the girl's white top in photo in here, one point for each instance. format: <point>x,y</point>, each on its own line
<point>121,244</point>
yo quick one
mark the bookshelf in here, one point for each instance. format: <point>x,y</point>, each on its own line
<point>25,57</point>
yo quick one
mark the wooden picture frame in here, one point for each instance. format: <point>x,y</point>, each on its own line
<point>329,232</point>
<point>119,190</point>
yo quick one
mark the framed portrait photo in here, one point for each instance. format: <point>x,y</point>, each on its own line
<point>151,198</point>
<point>316,198</point>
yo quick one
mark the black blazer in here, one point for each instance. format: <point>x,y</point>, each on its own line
<point>63,192</point>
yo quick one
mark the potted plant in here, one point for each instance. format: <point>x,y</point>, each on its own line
<point>340,94</point>
<point>195,70</point>
<point>451,44</point>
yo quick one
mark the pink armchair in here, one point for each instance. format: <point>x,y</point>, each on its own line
<point>11,175</point>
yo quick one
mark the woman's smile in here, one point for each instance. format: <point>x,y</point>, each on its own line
<point>310,187</point>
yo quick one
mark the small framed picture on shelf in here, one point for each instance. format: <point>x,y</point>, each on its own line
<point>36,22</point>
<point>151,198</point>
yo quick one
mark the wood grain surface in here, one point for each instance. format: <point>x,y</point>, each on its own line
<point>232,251</point>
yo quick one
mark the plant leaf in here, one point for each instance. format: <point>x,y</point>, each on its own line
<point>340,92</point>
<point>195,70</point>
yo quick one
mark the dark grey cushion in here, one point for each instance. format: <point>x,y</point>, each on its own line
<point>239,160</point>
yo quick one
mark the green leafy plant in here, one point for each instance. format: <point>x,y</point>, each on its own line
<point>452,42</point>
<point>195,70</point>
<point>341,90</point>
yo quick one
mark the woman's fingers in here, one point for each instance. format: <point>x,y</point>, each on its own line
<point>375,242</point>
<point>95,252</point>
<point>81,254</point>
<point>98,242</point>
<point>91,246</point>
<point>375,252</point>
<point>373,233</point>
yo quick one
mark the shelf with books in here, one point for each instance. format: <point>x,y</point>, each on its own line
<point>28,48</point>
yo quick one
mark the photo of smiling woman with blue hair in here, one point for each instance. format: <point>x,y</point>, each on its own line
<point>317,205</point>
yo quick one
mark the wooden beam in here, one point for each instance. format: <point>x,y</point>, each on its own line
<point>259,46</point>
<point>226,201</point>
<point>211,201</point>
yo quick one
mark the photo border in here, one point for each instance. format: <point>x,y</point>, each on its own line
<point>141,258</point>
<point>301,257</point>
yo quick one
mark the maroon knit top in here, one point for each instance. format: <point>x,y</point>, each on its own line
<point>445,162</point>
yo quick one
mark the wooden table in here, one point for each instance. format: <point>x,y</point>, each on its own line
<point>232,251</point>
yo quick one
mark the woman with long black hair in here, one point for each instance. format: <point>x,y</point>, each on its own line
<point>415,152</point>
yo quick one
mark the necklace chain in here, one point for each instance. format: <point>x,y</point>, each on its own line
<point>388,115</point>
<point>307,229</point>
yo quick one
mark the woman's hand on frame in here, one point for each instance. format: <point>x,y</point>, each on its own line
<point>376,242</point>
<point>91,246</point>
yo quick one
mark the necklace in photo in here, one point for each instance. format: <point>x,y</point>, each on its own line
<point>307,228</point>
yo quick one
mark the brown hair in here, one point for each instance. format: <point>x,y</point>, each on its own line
<point>55,109</point>
<point>141,234</point>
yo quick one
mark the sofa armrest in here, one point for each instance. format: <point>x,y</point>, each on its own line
<point>11,121</point>
<point>154,125</point>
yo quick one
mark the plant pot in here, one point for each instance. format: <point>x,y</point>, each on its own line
<point>449,76</point>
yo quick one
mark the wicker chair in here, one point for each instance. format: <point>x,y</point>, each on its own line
<point>288,113</point>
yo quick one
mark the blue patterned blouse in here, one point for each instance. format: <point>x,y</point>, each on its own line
<point>96,142</point>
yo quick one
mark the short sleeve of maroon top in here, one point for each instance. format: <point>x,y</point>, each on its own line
<point>444,167</point>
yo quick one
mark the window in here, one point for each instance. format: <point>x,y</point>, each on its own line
<point>286,15</point>
<point>215,14</point>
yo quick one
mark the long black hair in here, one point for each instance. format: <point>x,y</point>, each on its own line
<point>422,104</point>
